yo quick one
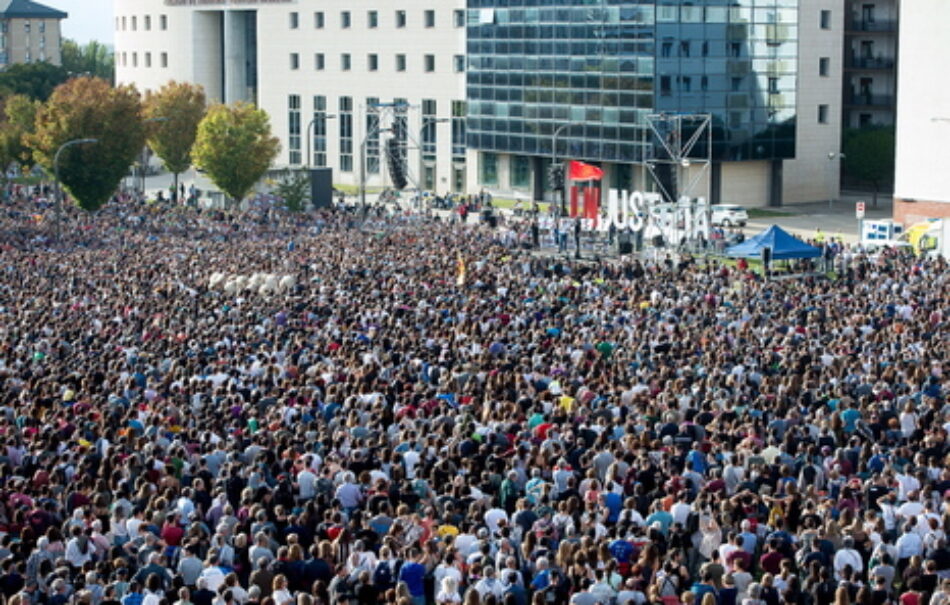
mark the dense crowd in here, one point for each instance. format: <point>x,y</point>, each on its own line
<point>434,415</point>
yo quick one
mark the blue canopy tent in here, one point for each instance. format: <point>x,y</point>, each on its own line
<point>783,245</point>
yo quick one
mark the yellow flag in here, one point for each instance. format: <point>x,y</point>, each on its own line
<point>462,271</point>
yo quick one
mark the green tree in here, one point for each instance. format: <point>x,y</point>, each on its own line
<point>93,59</point>
<point>293,187</point>
<point>175,110</point>
<point>34,80</point>
<point>235,147</point>
<point>82,108</point>
<point>869,156</point>
<point>16,123</point>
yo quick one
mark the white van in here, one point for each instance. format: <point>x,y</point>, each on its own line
<point>728,215</point>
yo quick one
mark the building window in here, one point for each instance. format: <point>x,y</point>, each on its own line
<point>318,62</point>
<point>428,129</point>
<point>3,24</point>
<point>345,19</point>
<point>163,22</point>
<point>684,48</point>
<point>459,61</point>
<point>135,59</point>
<point>294,61</point>
<point>134,23</point>
<point>26,26</point>
<point>430,63</point>
<point>864,120</point>
<point>458,131</point>
<point>345,61</point>
<point>430,18</point>
<point>318,20</point>
<point>148,59</point>
<point>489,169</point>
<point>163,60</point>
<point>459,18</point>
<point>666,86</point>
<point>294,20</point>
<point>319,130</point>
<point>346,134</point>
<point>520,171</point>
<point>146,23</point>
<point>822,114</point>
<point>666,49</point>
<point>372,19</point>
<point>42,26</point>
<point>400,62</point>
<point>824,66</point>
<point>736,84</point>
<point>400,18</point>
<point>704,83</point>
<point>825,19</point>
<point>372,62</point>
<point>293,129</point>
<point>124,22</point>
<point>686,84</point>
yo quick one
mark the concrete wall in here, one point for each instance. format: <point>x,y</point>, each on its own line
<point>745,183</point>
<point>923,111</point>
<point>40,43</point>
<point>811,175</point>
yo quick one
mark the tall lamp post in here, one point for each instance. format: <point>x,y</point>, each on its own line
<point>426,122</point>
<point>832,156</point>
<point>557,133</point>
<point>59,185</point>
<point>325,116</point>
<point>145,151</point>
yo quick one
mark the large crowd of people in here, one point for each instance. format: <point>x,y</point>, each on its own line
<point>431,415</point>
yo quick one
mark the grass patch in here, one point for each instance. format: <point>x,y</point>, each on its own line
<point>355,189</point>
<point>508,203</point>
<point>766,213</point>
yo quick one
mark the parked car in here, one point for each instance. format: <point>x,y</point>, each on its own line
<point>729,215</point>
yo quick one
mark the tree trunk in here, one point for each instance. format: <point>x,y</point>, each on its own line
<point>178,196</point>
<point>874,197</point>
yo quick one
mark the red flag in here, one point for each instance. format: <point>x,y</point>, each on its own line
<point>580,171</point>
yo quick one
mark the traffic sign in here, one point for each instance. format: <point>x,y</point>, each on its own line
<point>859,210</point>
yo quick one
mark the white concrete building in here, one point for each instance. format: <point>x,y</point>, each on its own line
<point>317,68</point>
<point>323,69</point>
<point>921,180</point>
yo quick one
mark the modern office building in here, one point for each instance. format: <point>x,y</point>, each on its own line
<point>475,90</point>
<point>29,32</point>
<point>870,63</point>
<point>921,180</point>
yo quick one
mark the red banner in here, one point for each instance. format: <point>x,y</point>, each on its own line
<point>579,171</point>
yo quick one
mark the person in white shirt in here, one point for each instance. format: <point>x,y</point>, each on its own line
<point>847,556</point>
<point>909,544</point>
<point>306,483</point>
<point>489,584</point>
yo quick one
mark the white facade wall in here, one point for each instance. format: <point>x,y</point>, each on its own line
<point>923,103</point>
<point>813,174</point>
<point>205,44</point>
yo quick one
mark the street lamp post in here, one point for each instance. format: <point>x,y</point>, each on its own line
<point>59,185</point>
<point>557,133</point>
<point>326,116</point>
<point>832,156</point>
<point>426,122</point>
<point>145,151</point>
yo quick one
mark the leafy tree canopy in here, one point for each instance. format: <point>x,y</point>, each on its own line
<point>34,80</point>
<point>88,107</point>
<point>235,147</point>
<point>175,110</point>
<point>93,59</point>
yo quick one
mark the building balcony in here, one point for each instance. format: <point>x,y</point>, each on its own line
<point>884,27</point>
<point>869,63</point>
<point>868,100</point>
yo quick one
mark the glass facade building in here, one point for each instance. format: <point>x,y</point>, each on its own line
<point>602,66</point>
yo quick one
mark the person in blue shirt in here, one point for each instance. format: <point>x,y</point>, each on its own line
<point>660,516</point>
<point>413,574</point>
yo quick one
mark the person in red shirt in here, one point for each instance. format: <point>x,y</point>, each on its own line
<point>771,561</point>
<point>172,531</point>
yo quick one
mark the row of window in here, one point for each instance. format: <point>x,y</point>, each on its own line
<point>132,23</point>
<point>122,59</point>
<point>27,26</point>
<point>400,19</point>
<point>372,62</point>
